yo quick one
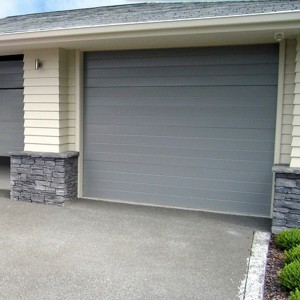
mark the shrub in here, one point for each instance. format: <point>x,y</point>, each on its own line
<point>295,295</point>
<point>292,255</point>
<point>288,239</point>
<point>290,275</point>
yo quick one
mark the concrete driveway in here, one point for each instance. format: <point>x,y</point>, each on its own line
<point>98,250</point>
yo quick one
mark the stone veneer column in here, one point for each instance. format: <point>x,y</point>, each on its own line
<point>286,206</point>
<point>44,177</point>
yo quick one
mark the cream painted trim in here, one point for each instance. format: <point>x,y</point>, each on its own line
<point>79,116</point>
<point>280,95</point>
<point>255,22</point>
<point>279,111</point>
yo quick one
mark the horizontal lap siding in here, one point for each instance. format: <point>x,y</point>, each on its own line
<point>188,128</point>
<point>49,100</point>
<point>11,104</point>
<point>288,101</point>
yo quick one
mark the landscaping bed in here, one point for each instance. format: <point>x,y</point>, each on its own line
<point>282,277</point>
<point>275,262</point>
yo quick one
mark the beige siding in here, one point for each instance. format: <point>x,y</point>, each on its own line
<point>288,99</point>
<point>71,99</point>
<point>295,153</point>
<point>49,101</point>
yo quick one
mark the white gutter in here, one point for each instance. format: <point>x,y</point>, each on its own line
<point>265,21</point>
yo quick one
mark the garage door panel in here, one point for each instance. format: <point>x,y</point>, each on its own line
<point>11,129</point>
<point>175,52</point>
<point>171,112</point>
<point>182,60</point>
<point>247,50</point>
<point>204,91</point>
<point>182,132</point>
<point>182,151</point>
<point>218,80</point>
<point>184,202</point>
<point>192,122</point>
<point>10,83</point>
<point>209,143</point>
<point>175,171</point>
<point>209,101</point>
<point>179,192</point>
<point>179,181</point>
<point>10,114</point>
<point>224,164</point>
<point>203,121</point>
<point>14,96</point>
<point>11,143</point>
<point>211,70</point>
<point>185,127</point>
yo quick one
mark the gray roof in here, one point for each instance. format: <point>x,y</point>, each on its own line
<point>144,12</point>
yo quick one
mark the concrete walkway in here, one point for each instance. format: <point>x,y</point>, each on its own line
<point>98,250</point>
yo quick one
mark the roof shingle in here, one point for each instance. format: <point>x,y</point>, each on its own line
<point>140,13</point>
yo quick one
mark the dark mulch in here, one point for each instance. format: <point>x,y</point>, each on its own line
<point>272,288</point>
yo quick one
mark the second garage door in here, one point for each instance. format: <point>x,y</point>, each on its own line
<point>11,104</point>
<point>191,128</point>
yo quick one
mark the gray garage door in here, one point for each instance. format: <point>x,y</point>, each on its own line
<point>11,104</point>
<point>190,128</point>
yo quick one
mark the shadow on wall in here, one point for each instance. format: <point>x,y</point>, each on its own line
<point>4,176</point>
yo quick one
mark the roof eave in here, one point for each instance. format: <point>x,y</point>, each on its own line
<point>268,21</point>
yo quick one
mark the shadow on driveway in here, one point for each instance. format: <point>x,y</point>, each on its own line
<point>100,250</point>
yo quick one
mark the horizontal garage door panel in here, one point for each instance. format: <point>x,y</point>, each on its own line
<point>197,113</point>
<point>182,81</point>
<point>173,171</point>
<point>245,101</point>
<point>181,91</point>
<point>215,163</point>
<point>181,182</point>
<point>213,144</point>
<point>183,132</point>
<point>181,152</point>
<point>207,122</point>
<point>189,128</point>
<point>210,70</point>
<point>219,205</point>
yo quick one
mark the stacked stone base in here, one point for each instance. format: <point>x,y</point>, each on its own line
<point>286,208</point>
<point>49,178</point>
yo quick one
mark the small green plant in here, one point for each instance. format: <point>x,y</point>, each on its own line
<point>290,276</point>
<point>295,295</point>
<point>292,255</point>
<point>288,239</point>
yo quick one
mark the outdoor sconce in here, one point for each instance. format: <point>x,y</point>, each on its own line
<point>38,64</point>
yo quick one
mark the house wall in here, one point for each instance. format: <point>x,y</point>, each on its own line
<point>49,100</point>
<point>67,75</point>
<point>50,95</point>
<point>288,99</point>
<point>295,153</point>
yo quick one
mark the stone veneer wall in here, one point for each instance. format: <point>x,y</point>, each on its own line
<point>44,177</point>
<point>286,207</point>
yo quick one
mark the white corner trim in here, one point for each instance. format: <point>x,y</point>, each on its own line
<point>257,266</point>
<point>79,116</point>
<point>280,95</point>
